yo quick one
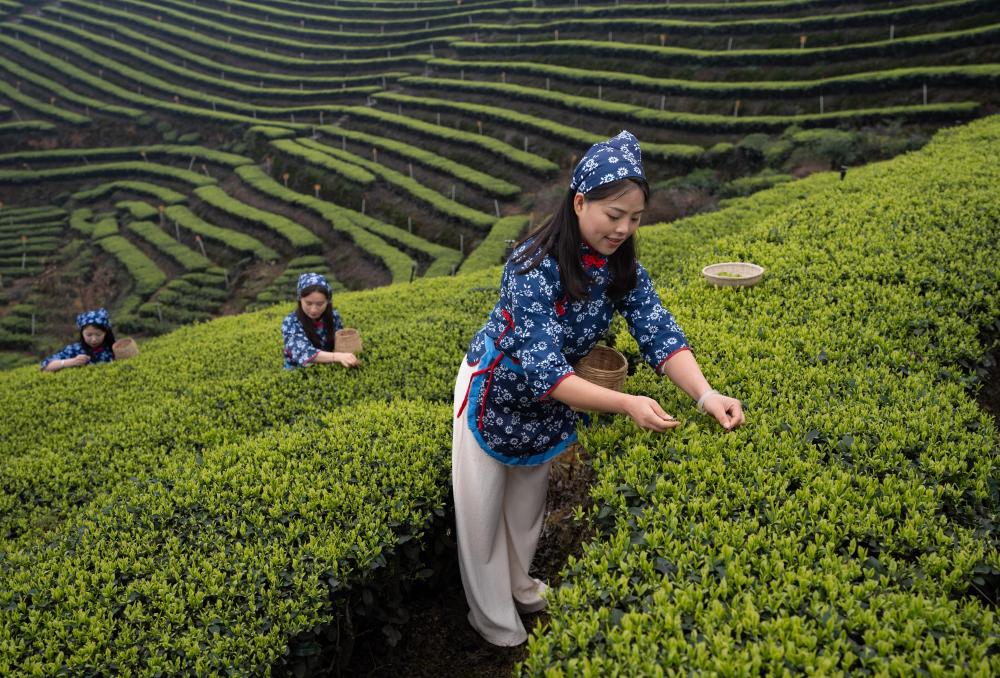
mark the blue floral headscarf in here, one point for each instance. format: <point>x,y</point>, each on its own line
<point>97,317</point>
<point>617,158</point>
<point>310,279</point>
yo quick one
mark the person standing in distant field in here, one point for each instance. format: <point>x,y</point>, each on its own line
<point>309,330</point>
<point>96,339</point>
<point>516,388</point>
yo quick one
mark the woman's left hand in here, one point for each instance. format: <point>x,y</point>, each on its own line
<point>727,411</point>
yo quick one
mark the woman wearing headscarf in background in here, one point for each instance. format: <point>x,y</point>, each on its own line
<point>96,339</point>
<point>309,330</point>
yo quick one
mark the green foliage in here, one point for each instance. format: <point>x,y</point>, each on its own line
<point>549,128</point>
<point>16,96</point>
<point>400,266</point>
<point>845,528</point>
<point>162,193</point>
<point>970,74</point>
<point>183,255</point>
<point>105,227</point>
<point>127,168</point>
<point>64,93</point>
<point>241,242</point>
<point>400,183</point>
<point>348,169</point>
<point>490,251</point>
<point>487,182</point>
<point>137,208</point>
<point>169,151</point>
<point>147,276</point>
<point>911,45</point>
<point>299,236</point>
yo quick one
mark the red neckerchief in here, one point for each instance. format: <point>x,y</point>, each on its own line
<point>591,258</point>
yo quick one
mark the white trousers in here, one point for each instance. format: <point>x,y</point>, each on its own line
<point>499,511</point>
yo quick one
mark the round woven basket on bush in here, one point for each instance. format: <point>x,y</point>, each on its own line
<point>603,366</point>
<point>125,348</point>
<point>347,340</point>
<point>733,274</point>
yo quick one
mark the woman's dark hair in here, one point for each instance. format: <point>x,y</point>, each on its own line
<point>109,338</point>
<point>560,236</point>
<point>308,324</point>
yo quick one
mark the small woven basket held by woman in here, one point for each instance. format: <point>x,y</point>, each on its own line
<point>515,392</point>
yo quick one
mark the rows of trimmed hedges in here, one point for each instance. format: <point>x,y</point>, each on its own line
<point>841,530</point>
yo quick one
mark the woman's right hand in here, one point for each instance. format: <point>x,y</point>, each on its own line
<point>78,361</point>
<point>346,359</point>
<point>648,415</point>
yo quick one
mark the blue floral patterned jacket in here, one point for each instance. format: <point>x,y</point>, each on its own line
<point>105,355</point>
<point>299,351</point>
<point>533,336</point>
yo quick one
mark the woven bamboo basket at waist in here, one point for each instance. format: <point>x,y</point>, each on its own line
<point>347,340</point>
<point>603,366</point>
<point>125,348</point>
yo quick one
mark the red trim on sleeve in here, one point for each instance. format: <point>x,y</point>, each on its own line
<point>662,362</point>
<point>311,358</point>
<point>558,381</point>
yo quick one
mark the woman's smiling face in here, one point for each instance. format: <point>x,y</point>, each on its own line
<point>606,224</point>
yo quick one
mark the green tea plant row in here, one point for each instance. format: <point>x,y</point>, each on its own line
<point>147,276</point>
<point>126,168</point>
<point>443,259</point>
<point>235,240</point>
<point>848,527</point>
<point>370,18</point>
<point>170,69</point>
<point>288,82</point>
<point>213,27</point>
<point>495,146</point>
<point>549,128</point>
<point>490,251</point>
<point>63,93</point>
<point>400,266</point>
<point>679,120</point>
<point>488,183</point>
<point>16,96</point>
<point>182,254</point>
<point>297,235</point>
<point>397,181</point>
<point>128,95</point>
<point>350,171</point>
<point>26,126</point>
<point>201,153</point>
<point>529,160</point>
<point>767,27</point>
<point>898,47</point>
<point>164,195</point>
<point>23,215</point>
<point>242,51</point>
<point>623,20</point>
<point>192,297</point>
<point>622,23</point>
<point>976,75</point>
